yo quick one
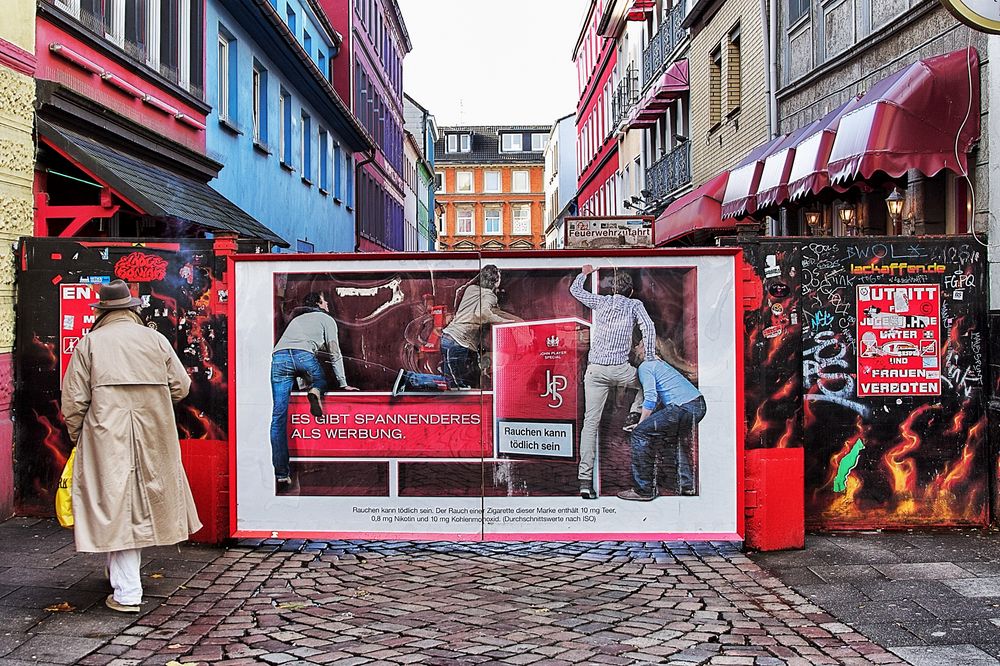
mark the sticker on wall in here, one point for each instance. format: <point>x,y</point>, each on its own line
<point>899,328</point>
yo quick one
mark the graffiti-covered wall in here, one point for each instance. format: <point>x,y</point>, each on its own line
<point>870,353</point>
<point>184,298</point>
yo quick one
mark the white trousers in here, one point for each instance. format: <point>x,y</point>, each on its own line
<point>123,570</point>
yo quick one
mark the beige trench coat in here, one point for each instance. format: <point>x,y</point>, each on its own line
<point>129,488</point>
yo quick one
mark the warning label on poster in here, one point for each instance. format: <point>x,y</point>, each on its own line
<point>535,438</point>
<point>899,340</point>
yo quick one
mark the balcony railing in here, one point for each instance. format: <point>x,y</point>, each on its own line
<point>655,56</point>
<point>103,28</point>
<point>626,95</point>
<point>670,171</point>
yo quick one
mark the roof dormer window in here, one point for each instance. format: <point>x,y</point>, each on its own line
<point>511,143</point>
<point>459,143</point>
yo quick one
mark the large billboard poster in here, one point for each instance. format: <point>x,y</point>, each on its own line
<point>488,396</point>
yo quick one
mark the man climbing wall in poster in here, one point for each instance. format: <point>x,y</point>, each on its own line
<point>615,318</point>
<point>312,331</point>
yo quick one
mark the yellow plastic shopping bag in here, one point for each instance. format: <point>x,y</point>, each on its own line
<point>64,494</point>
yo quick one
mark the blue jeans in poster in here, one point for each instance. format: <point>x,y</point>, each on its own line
<point>286,366</point>
<point>672,428</point>
<point>459,364</point>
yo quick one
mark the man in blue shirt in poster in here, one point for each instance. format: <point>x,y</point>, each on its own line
<point>681,408</point>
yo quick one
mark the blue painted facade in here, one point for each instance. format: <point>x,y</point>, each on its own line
<point>284,137</point>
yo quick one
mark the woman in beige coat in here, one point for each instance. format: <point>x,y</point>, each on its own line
<point>129,488</point>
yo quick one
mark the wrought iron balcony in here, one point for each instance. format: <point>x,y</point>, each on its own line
<point>670,171</point>
<point>656,55</point>
<point>626,95</point>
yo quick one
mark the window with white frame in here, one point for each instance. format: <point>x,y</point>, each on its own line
<point>522,220</point>
<point>184,45</point>
<point>223,76</point>
<point>520,183</point>
<point>452,146</point>
<point>493,226</point>
<point>340,168</point>
<point>463,182</point>
<point>511,143</point>
<point>152,26</point>
<point>305,147</point>
<point>538,142</point>
<point>114,21</point>
<point>465,144</point>
<point>439,181</point>
<point>285,134</point>
<point>464,225</point>
<point>228,73</point>
<point>324,162</point>
<point>69,6</point>
<point>491,181</point>
<point>442,225</point>
<point>259,85</point>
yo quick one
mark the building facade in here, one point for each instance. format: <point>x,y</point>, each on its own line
<point>369,74</point>
<point>17,95</point>
<point>420,123</point>
<point>491,190</point>
<point>121,124</point>
<point>277,119</point>
<point>560,180</point>
<point>788,131</point>
<point>411,157</point>
<point>595,58</point>
<point>827,56</point>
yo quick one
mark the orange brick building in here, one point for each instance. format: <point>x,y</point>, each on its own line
<point>491,187</point>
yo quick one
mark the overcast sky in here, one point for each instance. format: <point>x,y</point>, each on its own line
<point>481,62</point>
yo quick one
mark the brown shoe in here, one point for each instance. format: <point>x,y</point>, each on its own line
<point>315,403</point>
<point>121,608</point>
<point>633,496</point>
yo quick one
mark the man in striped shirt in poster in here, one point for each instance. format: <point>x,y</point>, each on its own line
<point>615,318</point>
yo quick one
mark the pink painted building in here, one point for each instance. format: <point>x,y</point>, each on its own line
<point>121,123</point>
<point>368,72</point>
<point>596,146</point>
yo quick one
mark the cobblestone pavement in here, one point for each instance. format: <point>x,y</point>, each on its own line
<point>930,597</point>
<point>299,602</point>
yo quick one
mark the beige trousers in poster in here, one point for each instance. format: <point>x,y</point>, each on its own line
<point>597,382</point>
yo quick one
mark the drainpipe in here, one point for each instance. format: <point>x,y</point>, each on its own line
<point>769,21</point>
<point>369,158</point>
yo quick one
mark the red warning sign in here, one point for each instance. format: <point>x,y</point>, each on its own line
<point>899,339</point>
<point>75,318</point>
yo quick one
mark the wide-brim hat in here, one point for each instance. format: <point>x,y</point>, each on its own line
<point>115,295</point>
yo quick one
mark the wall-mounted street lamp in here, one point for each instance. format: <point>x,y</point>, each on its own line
<point>846,213</point>
<point>894,202</point>
<point>814,220</point>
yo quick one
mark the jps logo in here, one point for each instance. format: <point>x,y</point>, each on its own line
<point>552,341</point>
<point>554,386</point>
